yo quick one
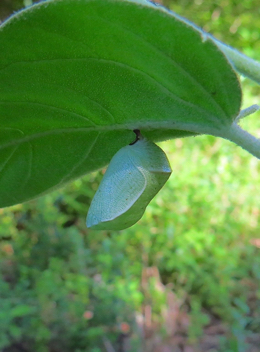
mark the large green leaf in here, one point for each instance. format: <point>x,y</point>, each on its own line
<point>77,76</point>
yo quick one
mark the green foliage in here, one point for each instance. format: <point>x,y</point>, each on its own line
<point>54,270</point>
<point>51,281</point>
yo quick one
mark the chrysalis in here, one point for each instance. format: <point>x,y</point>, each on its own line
<point>134,176</point>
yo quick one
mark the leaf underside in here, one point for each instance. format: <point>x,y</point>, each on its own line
<point>77,76</point>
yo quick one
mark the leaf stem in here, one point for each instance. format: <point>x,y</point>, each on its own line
<point>242,138</point>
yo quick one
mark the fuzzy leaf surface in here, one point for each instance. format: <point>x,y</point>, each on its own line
<point>77,76</point>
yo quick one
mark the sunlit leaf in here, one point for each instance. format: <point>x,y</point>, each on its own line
<point>77,76</point>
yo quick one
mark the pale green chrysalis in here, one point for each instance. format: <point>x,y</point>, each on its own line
<point>134,176</point>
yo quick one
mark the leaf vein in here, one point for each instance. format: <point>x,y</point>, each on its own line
<point>68,176</point>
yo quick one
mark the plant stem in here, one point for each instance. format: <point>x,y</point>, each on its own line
<point>242,138</point>
<point>246,112</point>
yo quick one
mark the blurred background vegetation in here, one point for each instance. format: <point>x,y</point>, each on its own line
<point>185,278</point>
